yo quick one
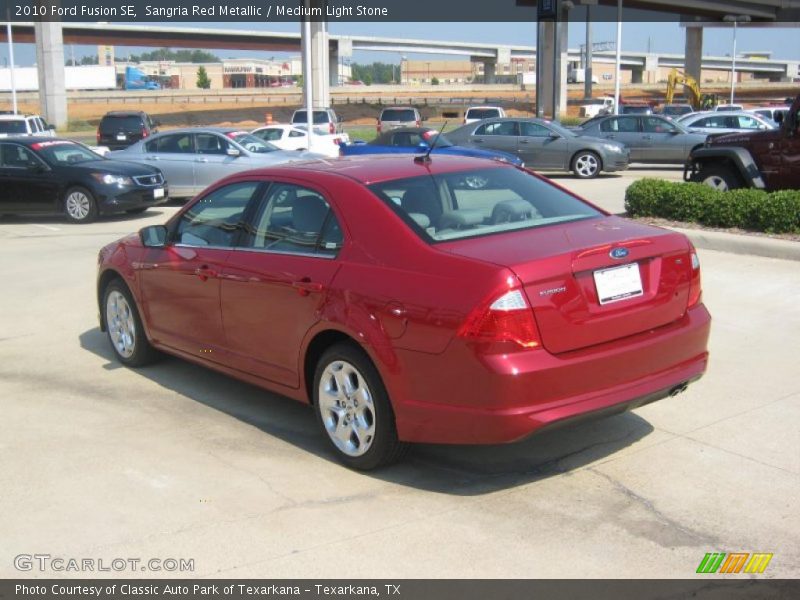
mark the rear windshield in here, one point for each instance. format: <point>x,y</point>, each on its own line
<point>482,113</point>
<point>113,124</point>
<point>320,116</point>
<point>479,202</point>
<point>13,127</point>
<point>676,110</point>
<point>253,143</point>
<point>399,114</point>
<point>63,152</point>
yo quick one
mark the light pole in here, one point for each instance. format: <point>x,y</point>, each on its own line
<point>11,62</point>
<point>618,57</point>
<point>735,19</point>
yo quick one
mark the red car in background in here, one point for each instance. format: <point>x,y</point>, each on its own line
<point>450,300</point>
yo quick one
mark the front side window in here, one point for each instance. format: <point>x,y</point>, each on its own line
<point>481,202</point>
<point>745,122</point>
<point>533,129</point>
<point>296,220</point>
<point>216,219</point>
<point>211,143</point>
<point>620,125</point>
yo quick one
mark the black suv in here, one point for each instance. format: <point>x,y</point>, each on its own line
<point>120,128</point>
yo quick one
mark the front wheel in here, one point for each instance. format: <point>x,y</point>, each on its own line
<point>79,205</point>
<point>719,178</point>
<point>124,327</point>
<point>586,165</point>
<point>353,409</point>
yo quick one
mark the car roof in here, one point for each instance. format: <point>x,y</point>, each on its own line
<point>15,117</point>
<point>222,130</point>
<point>29,140</point>
<point>409,130</point>
<point>124,113</point>
<point>398,108</point>
<point>479,106</point>
<point>369,169</point>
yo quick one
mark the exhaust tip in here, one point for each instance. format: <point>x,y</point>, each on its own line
<point>678,389</point>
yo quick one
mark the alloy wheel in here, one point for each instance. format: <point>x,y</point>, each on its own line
<point>78,205</point>
<point>347,408</point>
<point>121,324</point>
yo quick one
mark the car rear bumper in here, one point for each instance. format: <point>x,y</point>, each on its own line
<point>139,197</point>
<point>460,397</point>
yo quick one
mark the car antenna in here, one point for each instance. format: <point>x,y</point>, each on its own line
<point>426,158</point>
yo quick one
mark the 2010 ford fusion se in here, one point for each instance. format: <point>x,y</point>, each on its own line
<point>448,300</point>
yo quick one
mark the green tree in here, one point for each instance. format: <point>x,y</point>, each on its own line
<point>367,78</point>
<point>188,56</point>
<point>435,81</point>
<point>203,82</point>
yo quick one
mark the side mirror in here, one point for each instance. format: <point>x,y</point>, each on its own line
<point>232,152</point>
<point>554,136</point>
<point>51,127</point>
<point>154,236</point>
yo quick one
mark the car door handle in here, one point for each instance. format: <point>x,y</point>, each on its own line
<point>305,286</point>
<point>647,137</point>
<point>524,142</point>
<point>478,141</point>
<point>201,160</point>
<point>610,136</point>
<point>152,158</point>
<point>205,272</point>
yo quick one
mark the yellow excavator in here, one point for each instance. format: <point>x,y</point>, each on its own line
<point>698,100</point>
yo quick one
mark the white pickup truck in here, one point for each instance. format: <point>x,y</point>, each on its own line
<point>597,106</point>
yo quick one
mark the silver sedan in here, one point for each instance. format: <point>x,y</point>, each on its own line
<point>192,159</point>
<point>651,138</point>
<point>725,122</point>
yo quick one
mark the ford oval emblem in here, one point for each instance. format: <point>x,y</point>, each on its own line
<point>618,253</point>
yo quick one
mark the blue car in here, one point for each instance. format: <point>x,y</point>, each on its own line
<point>418,140</point>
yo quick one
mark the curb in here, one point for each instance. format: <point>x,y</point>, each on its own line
<point>742,244</point>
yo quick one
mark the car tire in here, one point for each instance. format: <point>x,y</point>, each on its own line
<point>124,327</point>
<point>80,205</point>
<point>353,409</point>
<point>586,164</point>
<point>137,211</point>
<point>718,177</point>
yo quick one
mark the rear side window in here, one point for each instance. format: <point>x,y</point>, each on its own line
<point>501,128</point>
<point>114,124</point>
<point>467,204</point>
<point>176,143</point>
<point>620,124</point>
<point>295,220</point>
<point>271,135</point>
<point>13,156</point>
<point>399,114</point>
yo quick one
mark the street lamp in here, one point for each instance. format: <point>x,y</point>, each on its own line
<point>618,57</point>
<point>735,19</point>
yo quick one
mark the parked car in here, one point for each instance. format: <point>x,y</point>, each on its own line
<point>398,116</point>
<point>775,114</point>
<point>542,144</point>
<point>596,106</point>
<point>478,113</point>
<point>25,125</point>
<point>650,138</point>
<point>53,175</point>
<point>194,158</point>
<point>762,159</point>
<point>676,111</point>
<point>405,303</point>
<point>326,118</point>
<point>295,137</point>
<point>120,128</point>
<point>725,122</point>
<point>407,140</point>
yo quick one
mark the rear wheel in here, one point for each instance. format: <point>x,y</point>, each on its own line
<point>586,164</point>
<point>719,178</point>
<point>353,409</point>
<point>79,205</point>
<point>124,327</point>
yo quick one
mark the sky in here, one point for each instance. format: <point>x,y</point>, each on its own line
<point>784,42</point>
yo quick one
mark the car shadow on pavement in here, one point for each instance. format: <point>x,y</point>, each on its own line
<point>59,220</point>
<point>456,470</point>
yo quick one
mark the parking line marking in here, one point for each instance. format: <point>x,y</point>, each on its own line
<point>48,227</point>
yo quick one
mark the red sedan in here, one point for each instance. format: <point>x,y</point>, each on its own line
<point>455,300</point>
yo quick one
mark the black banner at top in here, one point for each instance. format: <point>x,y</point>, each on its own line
<point>177,11</point>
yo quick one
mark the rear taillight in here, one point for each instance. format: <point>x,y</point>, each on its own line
<point>695,287</point>
<point>97,135</point>
<point>331,128</point>
<point>378,125</point>
<point>144,132</point>
<point>507,318</point>
<point>419,123</point>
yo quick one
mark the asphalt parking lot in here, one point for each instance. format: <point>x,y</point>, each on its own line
<point>175,461</point>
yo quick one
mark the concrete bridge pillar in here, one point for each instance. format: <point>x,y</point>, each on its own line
<point>552,61</point>
<point>693,60</point>
<point>318,48</point>
<point>50,60</point>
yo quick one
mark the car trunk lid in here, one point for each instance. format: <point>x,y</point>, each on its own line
<point>593,281</point>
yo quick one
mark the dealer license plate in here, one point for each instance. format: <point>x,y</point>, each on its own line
<point>158,193</point>
<point>618,283</point>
